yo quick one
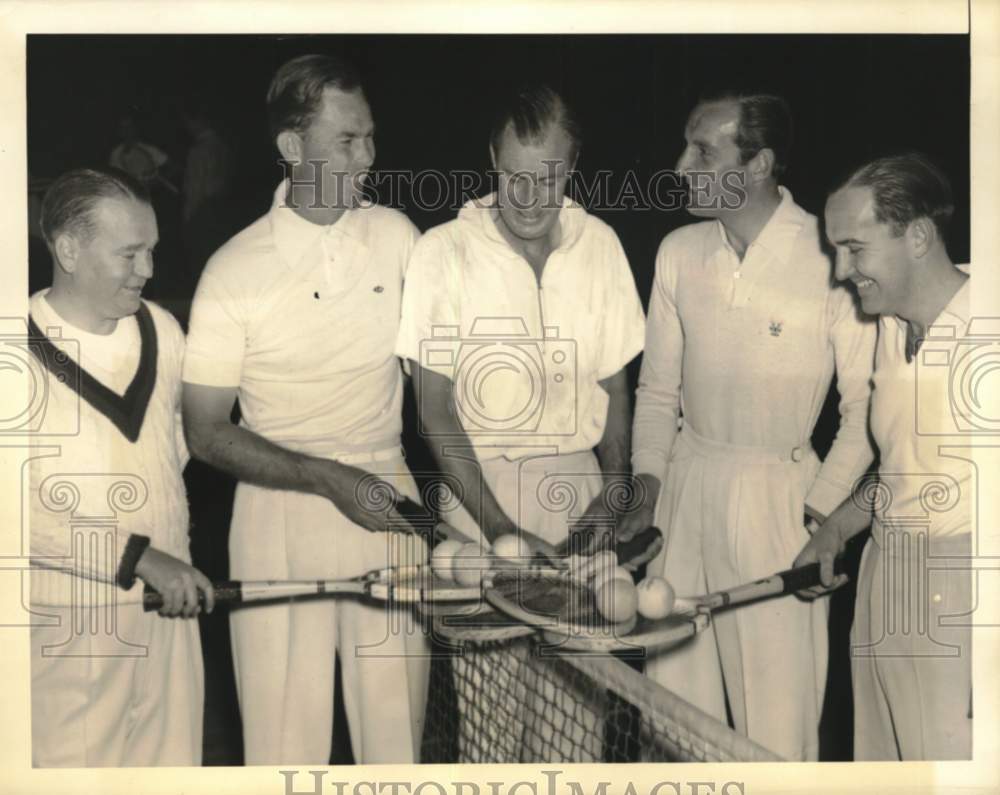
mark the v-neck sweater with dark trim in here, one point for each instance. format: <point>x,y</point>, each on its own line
<point>110,420</point>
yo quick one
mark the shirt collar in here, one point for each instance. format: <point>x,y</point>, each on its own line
<point>957,311</point>
<point>480,213</point>
<point>958,308</point>
<point>779,233</point>
<point>294,235</point>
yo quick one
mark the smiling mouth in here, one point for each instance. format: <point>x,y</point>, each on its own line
<point>864,284</point>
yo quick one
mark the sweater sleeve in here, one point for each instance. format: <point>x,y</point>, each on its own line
<point>657,405</point>
<point>853,339</point>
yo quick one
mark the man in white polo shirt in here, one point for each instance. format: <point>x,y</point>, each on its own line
<point>519,318</point>
<point>745,333</point>
<point>297,316</point>
<point>911,643</point>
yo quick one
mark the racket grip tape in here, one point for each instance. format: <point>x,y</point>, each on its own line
<point>226,592</point>
<point>807,576</point>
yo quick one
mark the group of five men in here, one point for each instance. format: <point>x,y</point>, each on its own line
<point>304,318</point>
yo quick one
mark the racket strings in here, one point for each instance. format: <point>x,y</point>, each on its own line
<point>562,598</point>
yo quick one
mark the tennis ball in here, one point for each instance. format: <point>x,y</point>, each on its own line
<point>469,565</point>
<point>593,565</point>
<point>606,574</point>
<point>511,548</point>
<point>656,598</point>
<point>442,558</point>
<point>617,599</point>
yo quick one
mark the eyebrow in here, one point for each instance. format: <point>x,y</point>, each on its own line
<point>848,242</point>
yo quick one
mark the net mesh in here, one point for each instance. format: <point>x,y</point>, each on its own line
<point>499,694</point>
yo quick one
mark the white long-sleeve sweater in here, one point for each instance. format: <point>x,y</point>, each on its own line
<point>749,348</point>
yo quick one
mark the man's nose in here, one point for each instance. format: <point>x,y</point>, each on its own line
<point>843,267</point>
<point>683,163</point>
<point>365,155</point>
<point>525,193</point>
<point>144,265</point>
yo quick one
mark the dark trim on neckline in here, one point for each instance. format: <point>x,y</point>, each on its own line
<point>127,411</point>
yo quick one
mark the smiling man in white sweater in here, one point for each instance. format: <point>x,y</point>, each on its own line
<point>111,685</point>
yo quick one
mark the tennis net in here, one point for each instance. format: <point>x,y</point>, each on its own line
<point>499,694</point>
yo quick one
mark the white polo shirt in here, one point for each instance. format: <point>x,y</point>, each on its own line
<point>303,320</point>
<point>918,409</point>
<point>525,356</point>
<point>748,349</point>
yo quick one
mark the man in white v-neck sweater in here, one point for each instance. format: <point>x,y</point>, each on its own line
<point>112,685</point>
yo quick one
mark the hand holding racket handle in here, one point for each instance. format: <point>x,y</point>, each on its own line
<point>784,582</point>
<point>807,576</point>
<point>228,592</point>
<point>421,521</point>
<point>638,546</point>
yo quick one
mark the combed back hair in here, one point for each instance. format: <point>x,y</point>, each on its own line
<point>70,202</point>
<point>296,90</point>
<point>765,123</point>
<point>531,109</point>
<point>906,187</point>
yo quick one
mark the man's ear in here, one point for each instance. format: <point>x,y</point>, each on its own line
<point>67,251</point>
<point>920,236</point>
<point>761,165</point>
<point>289,143</point>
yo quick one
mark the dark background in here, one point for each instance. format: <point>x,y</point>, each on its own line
<point>853,98</point>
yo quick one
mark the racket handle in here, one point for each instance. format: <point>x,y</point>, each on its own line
<point>807,576</point>
<point>639,543</point>
<point>228,592</point>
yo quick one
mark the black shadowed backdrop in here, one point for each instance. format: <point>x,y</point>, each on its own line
<point>432,97</point>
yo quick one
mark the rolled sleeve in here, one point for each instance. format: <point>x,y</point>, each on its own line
<point>658,396</point>
<point>216,342</point>
<point>429,309</point>
<point>854,339</point>
<point>624,321</point>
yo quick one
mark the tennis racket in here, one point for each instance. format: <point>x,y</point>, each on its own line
<point>399,584</point>
<point>568,616</point>
<point>782,583</point>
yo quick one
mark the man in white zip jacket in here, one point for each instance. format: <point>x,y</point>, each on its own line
<point>519,318</point>
<point>745,333</point>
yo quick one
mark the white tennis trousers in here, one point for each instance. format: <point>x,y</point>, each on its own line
<point>283,652</point>
<point>733,514</point>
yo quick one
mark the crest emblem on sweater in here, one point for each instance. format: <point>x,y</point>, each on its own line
<point>775,327</point>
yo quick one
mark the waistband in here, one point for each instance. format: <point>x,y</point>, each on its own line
<point>896,540</point>
<point>711,448</point>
